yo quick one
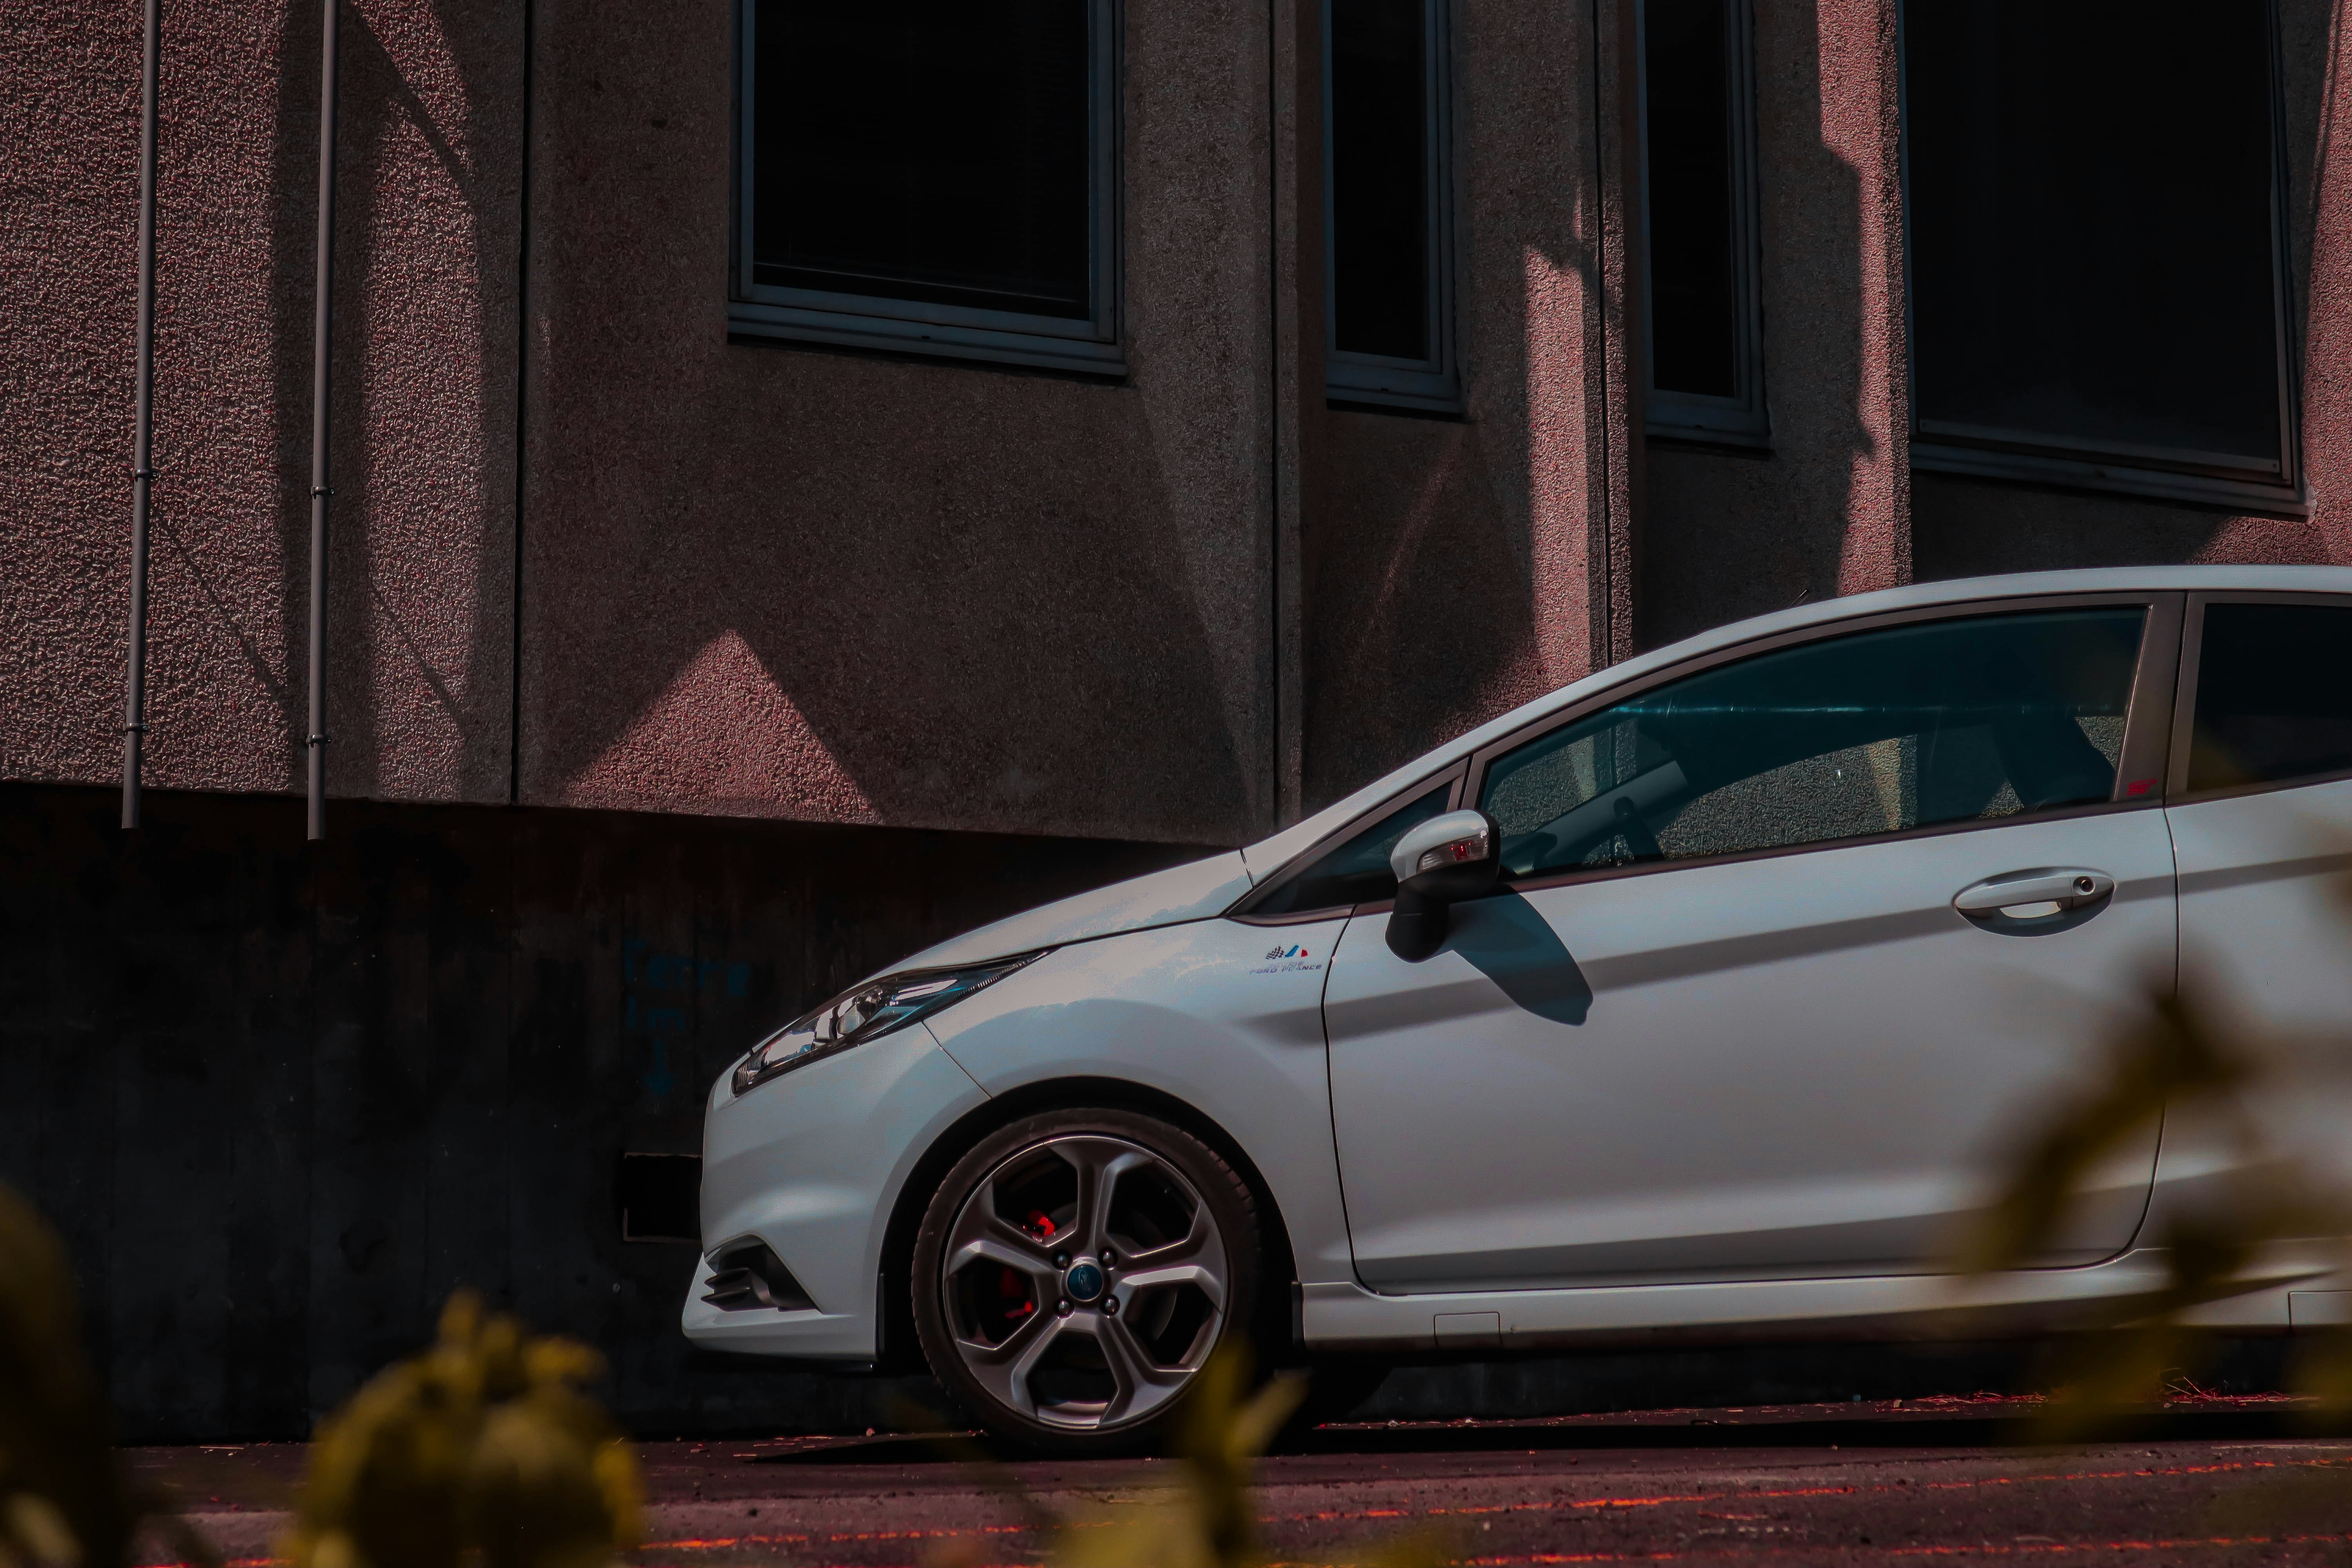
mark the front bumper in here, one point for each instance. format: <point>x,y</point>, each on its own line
<point>811,1163</point>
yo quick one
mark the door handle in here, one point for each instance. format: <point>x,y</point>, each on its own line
<point>2033,895</point>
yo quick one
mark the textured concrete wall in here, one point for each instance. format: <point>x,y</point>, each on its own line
<point>1828,512</point>
<point>1833,508</point>
<point>768,581</point>
<point>425,412</point>
<point>773,580</point>
<point>1456,567</point>
<point>281,1102</point>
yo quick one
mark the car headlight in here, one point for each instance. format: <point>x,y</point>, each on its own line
<point>867,1012</point>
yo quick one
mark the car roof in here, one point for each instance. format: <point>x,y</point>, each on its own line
<point>1269,855</point>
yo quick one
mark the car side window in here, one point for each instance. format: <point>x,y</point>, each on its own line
<point>1874,732</point>
<point>1356,873</point>
<point>2273,703</point>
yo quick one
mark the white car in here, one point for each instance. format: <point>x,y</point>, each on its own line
<point>1719,988</point>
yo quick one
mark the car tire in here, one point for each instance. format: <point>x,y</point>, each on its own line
<point>1075,1271</point>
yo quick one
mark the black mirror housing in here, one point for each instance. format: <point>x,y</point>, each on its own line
<point>1439,863</point>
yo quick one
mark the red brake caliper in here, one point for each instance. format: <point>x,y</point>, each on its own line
<point>1009,1284</point>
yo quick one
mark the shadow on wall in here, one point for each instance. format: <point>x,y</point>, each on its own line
<point>1456,567</point>
<point>1420,618</point>
<point>879,635</point>
<point>420,594</point>
<point>779,583</point>
<point>1968,528</point>
<point>764,579</point>
<point>1728,537</point>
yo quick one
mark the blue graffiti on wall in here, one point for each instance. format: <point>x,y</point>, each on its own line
<point>657,984</point>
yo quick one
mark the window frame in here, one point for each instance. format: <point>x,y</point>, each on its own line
<point>1380,380</point>
<point>2165,473</point>
<point>1091,346</point>
<point>1299,864</point>
<point>1745,419</point>
<point>2147,725</point>
<point>2184,699</point>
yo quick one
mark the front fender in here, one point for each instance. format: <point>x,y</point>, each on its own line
<point>1224,1016</point>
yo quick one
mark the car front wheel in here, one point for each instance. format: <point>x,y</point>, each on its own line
<point>1077,1270</point>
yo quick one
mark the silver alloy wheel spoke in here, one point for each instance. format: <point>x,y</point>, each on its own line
<point>981,1233</point>
<point>1143,1386</point>
<point>1205,1280</point>
<point>983,1237</point>
<point>1003,1368</point>
<point>1203,1237</point>
<point>1100,1163</point>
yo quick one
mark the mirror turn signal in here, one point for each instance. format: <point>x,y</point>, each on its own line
<point>1439,863</point>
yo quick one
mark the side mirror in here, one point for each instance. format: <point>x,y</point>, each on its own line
<point>1444,860</point>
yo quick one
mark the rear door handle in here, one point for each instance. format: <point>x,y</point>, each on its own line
<point>2033,895</point>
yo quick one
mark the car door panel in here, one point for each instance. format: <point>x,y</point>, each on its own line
<point>2265,840</point>
<point>1659,1077</point>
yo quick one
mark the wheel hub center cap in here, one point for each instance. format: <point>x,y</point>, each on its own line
<point>1084,1281</point>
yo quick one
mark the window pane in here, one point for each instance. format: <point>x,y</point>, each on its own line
<point>2271,698</point>
<point>1380,178</point>
<point>1875,733</point>
<point>935,151</point>
<point>1357,871</point>
<point>1693,277</point>
<point>2092,235</point>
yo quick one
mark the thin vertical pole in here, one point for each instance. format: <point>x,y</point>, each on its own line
<point>142,454</point>
<point>321,383</point>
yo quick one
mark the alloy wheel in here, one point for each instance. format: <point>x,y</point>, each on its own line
<point>1084,1281</point>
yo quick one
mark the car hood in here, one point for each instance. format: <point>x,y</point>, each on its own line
<point>1190,892</point>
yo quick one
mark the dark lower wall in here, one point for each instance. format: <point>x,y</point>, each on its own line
<point>281,1098</point>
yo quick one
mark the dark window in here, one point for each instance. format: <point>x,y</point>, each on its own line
<point>2274,700</point>
<point>2094,242</point>
<point>1700,203</point>
<point>1380,178</point>
<point>1357,871</point>
<point>1872,734</point>
<point>939,163</point>
<point>1390,334</point>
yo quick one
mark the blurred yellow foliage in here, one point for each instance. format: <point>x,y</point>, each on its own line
<point>482,1445</point>
<point>66,1499</point>
<point>1209,1520</point>
<point>2176,1060</point>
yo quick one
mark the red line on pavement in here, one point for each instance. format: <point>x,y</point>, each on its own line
<point>2053,1548</point>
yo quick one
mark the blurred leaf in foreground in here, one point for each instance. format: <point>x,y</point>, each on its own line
<point>1210,1522</point>
<point>482,1444</point>
<point>2172,1056</point>
<point>2174,1066</point>
<point>66,1499</point>
<point>1208,1517</point>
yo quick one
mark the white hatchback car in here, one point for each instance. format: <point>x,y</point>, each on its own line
<point>1717,987</point>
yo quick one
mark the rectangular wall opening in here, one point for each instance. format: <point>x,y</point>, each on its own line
<point>2098,292</point>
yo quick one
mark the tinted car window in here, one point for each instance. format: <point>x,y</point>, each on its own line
<point>1875,733</point>
<point>2273,695</point>
<point>1357,871</point>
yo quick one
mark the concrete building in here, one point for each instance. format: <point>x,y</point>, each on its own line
<point>805,483</point>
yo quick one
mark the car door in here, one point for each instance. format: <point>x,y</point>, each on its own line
<point>2260,803</point>
<point>1725,1019</point>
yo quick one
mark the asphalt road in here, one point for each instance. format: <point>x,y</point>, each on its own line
<point>2206,1482</point>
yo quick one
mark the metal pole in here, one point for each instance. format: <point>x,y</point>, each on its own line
<point>321,378</point>
<point>143,455</point>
